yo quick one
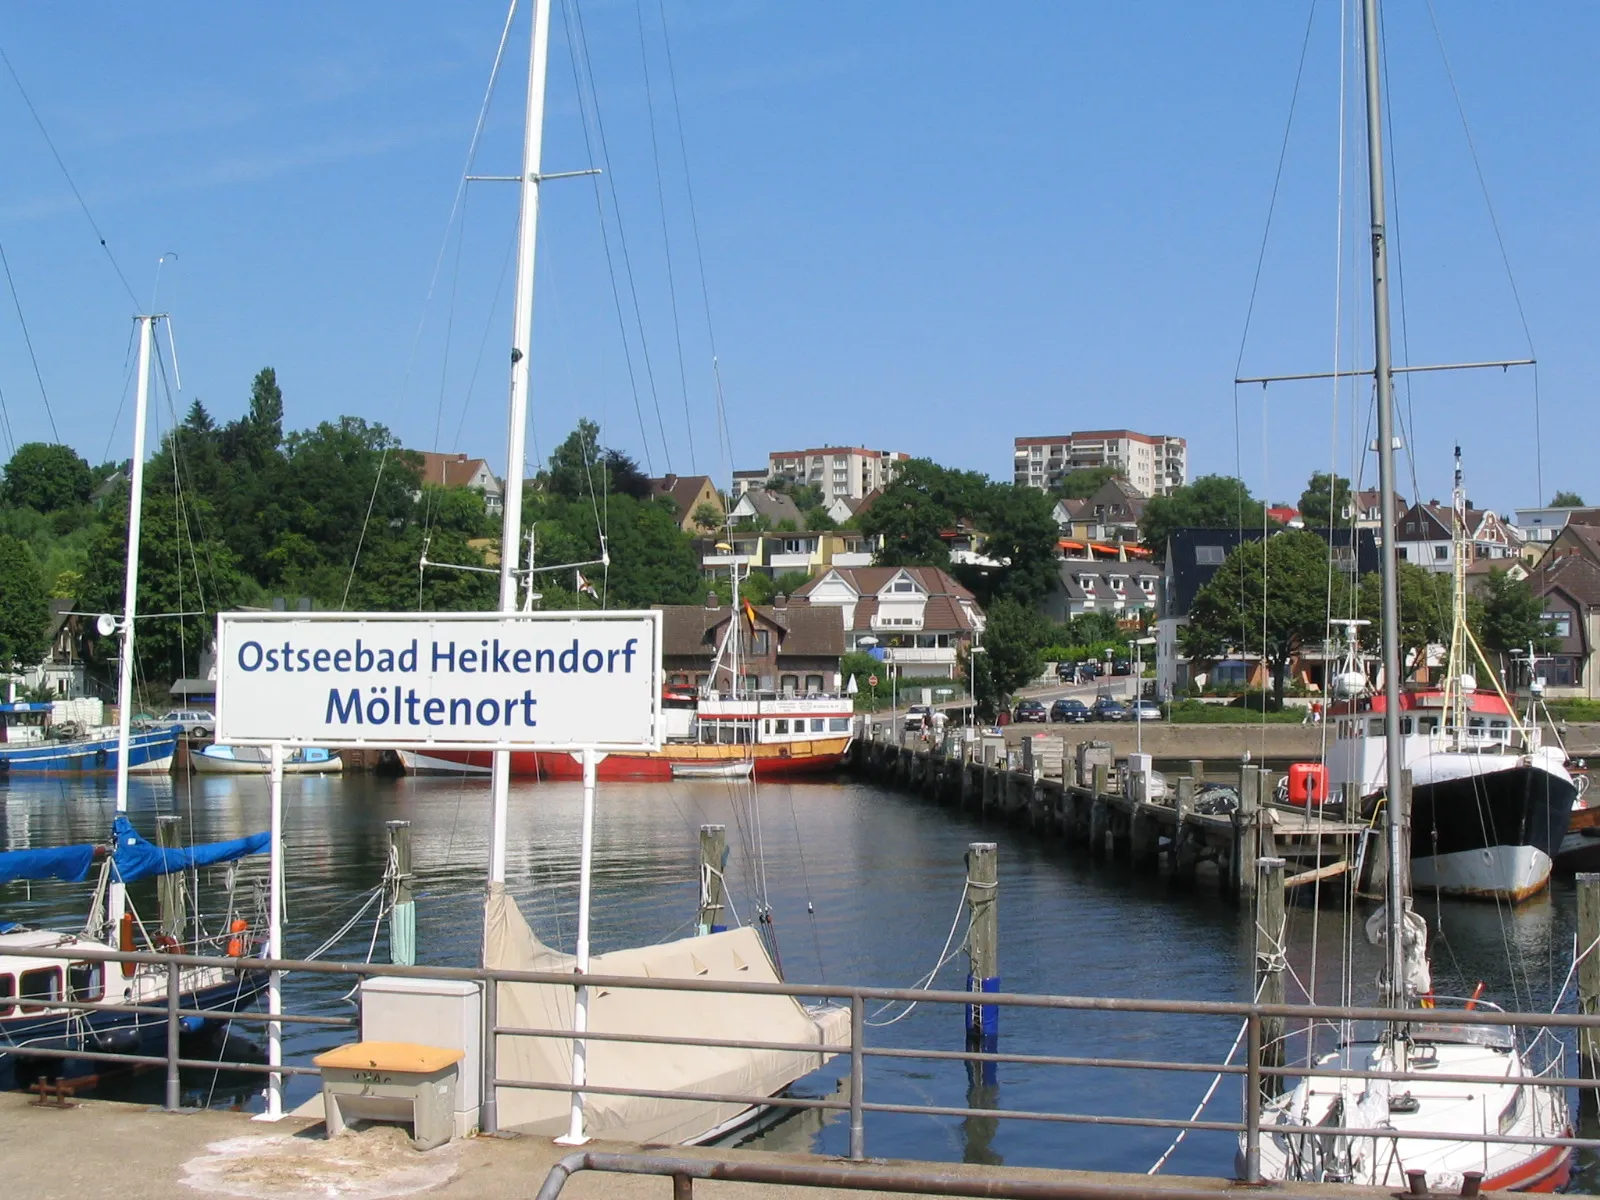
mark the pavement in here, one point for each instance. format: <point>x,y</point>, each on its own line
<point>114,1151</point>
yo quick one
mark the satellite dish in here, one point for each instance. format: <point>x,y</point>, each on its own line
<point>106,624</point>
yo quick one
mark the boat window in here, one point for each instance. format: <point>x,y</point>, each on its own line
<point>743,732</point>
<point>1427,724</point>
<point>43,984</point>
<point>766,727</point>
<point>1499,726</point>
<point>83,981</point>
<point>1375,727</point>
<point>816,724</point>
<point>1405,725</point>
<point>1512,1113</point>
<point>839,724</point>
<point>8,991</point>
<point>782,726</point>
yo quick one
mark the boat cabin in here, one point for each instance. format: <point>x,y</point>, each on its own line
<point>1356,746</point>
<point>772,721</point>
<point>24,722</point>
<point>34,985</point>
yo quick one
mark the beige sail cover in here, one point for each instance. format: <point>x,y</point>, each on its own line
<point>735,955</point>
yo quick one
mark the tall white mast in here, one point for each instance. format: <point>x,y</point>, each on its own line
<point>116,899</point>
<point>1384,380</point>
<point>516,433</point>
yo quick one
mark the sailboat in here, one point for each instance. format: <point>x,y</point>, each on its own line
<point>1333,1129</point>
<point>509,943</point>
<point>1490,802</point>
<point>37,988</point>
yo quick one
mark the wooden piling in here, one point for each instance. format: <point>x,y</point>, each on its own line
<point>983,948</point>
<point>1099,825</point>
<point>402,903</point>
<point>713,859</point>
<point>1270,964</point>
<point>170,890</point>
<point>1197,771</point>
<point>1240,879</point>
<point>1589,970</point>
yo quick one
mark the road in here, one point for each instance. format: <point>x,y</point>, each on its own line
<point>1120,687</point>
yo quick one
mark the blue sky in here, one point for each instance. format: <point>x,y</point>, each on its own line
<point>927,227</point>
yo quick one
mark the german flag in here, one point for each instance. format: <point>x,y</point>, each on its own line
<point>750,614</point>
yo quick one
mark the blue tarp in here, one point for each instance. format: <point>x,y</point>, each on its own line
<point>70,863</point>
<point>138,859</point>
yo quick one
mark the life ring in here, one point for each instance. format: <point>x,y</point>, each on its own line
<point>165,943</point>
<point>236,942</point>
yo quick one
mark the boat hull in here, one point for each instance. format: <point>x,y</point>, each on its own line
<point>111,1032</point>
<point>149,752</point>
<point>1492,833</point>
<point>206,764</point>
<point>792,760</point>
<point>1580,849</point>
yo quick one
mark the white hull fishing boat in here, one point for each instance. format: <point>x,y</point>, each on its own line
<point>219,759</point>
<point>1468,1106</point>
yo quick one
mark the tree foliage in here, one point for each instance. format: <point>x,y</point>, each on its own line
<point>1323,503</point>
<point>1085,482</point>
<point>1566,500</point>
<point>46,478</point>
<point>1424,600</point>
<point>24,607</point>
<point>1013,636</point>
<point>1269,598</point>
<point>1510,617</point>
<point>1210,502</point>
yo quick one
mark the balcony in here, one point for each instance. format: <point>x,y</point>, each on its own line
<point>906,655</point>
<point>853,558</point>
<point>790,562</point>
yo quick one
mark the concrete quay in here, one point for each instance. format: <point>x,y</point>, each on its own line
<point>102,1150</point>
<point>1105,811</point>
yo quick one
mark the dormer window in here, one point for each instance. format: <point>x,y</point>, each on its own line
<point>1086,582</point>
<point>1117,582</point>
<point>903,585</point>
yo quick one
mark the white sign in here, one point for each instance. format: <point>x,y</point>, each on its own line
<point>463,681</point>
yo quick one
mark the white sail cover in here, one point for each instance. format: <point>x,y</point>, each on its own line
<point>735,955</point>
<point>1414,946</point>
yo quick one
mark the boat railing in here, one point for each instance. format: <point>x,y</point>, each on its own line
<point>1258,1065</point>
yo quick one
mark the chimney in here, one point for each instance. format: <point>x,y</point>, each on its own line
<point>711,600</point>
<point>780,602</point>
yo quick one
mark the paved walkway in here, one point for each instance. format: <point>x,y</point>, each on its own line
<point>101,1149</point>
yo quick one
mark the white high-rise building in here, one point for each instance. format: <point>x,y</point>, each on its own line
<point>1153,463</point>
<point>849,472</point>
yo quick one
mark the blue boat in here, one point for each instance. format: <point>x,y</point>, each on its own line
<point>26,746</point>
<point>33,985</point>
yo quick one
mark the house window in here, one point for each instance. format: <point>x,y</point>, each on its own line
<point>789,683</point>
<point>903,585</point>
<point>1208,556</point>
<point>1400,553</point>
<point>813,684</point>
<point>1441,552</point>
<point>759,642</point>
<point>1561,622</point>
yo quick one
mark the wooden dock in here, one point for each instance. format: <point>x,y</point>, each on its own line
<point>1106,814</point>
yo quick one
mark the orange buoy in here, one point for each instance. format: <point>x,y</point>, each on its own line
<point>236,943</point>
<point>125,944</point>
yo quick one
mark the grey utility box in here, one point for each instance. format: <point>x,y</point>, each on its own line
<point>1092,754</point>
<point>435,1012</point>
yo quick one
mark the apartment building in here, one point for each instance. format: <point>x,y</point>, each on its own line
<point>1153,463</point>
<point>847,471</point>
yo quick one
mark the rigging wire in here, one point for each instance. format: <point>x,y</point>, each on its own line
<point>67,175</point>
<point>27,339</point>
<point>666,240</point>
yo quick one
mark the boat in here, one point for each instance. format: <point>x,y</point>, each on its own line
<point>1490,802</point>
<point>220,759</point>
<point>1580,849</point>
<point>32,742</point>
<point>1467,1083</point>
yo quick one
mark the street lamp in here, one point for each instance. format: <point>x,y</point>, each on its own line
<point>1138,690</point>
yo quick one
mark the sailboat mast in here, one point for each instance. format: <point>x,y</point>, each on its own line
<point>116,901</point>
<point>516,432</point>
<point>1383,377</point>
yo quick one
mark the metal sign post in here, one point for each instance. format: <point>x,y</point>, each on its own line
<point>575,1135</point>
<point>275,940</point>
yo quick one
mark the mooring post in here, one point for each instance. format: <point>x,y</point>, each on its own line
<point>1270,966</point>
<point>713,859</point>
<point>1589,974</point>
<point>170,890</point>
<point>983,950</point>
<point>1197,771</point>
<point>403,909</point>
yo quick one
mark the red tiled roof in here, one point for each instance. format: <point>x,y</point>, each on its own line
<point>449,470</point>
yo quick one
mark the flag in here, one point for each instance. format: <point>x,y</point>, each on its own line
<point>750,614</point>
<point>585,587</point>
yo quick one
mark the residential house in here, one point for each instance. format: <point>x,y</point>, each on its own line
<point>917,619</point>
<point>1154,464</point>
<point>851,471</point>
<point>1575,538</point>
<point>1423,536</point>
<point>790,649</point>
<point>457,470</point>
<point>842,508</point>
<point>775,552</point>
<point>1112,514</point>
<point>1367,508</point>
<point>687,493</point>
<point>772,507</point>
<point>1542,524</point>
<point>61,672</point>
<point>1125,589</point>
<point>1286,515</point>
<point>1570,587</point>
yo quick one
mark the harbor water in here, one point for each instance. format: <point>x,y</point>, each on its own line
<point>864,886</point>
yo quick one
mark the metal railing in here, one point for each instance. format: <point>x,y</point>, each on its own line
<point>1256,1070</point>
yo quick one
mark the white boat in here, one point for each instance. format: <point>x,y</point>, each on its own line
<point>220,759</point>
<point>738,768</point>
<point>1328,1128</point>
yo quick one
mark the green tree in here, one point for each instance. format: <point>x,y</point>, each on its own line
<point>924,500</point>
<point>790,582</point>
<point>1013,636</point>
<point>1424,598</point>
<point>1022,536</point>
<point>1510,617</point>
<point>1085,482</point>
<point>46,477</point>
<point>1566,500</point>
<point>1323,503</point>
<point>1210,502</point>
<point>757,587</point>
<point>1269,598</point>
<point>24,607</point>
<point>707,517</point>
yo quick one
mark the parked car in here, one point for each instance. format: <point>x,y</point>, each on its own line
<point>1145,710</point>
<point>1107,709</point>
<point>195,722</point>
<point>1066,672</point>
<point>918,718</point>
<point>1073,711</point>
<point>1121,666</point>
<point>1030,710</point>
